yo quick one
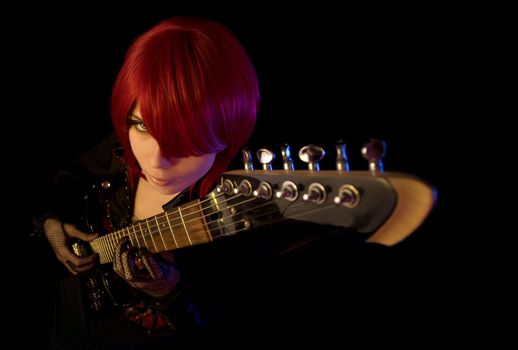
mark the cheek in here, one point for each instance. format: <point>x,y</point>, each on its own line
<point>195,169</point>
<point>206,163</point>
<point>136,145</point>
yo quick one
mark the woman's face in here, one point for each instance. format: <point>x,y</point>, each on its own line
<point>166,175</point>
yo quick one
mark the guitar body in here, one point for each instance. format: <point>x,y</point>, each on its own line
<point>104,290</point>
<point>105,202</point>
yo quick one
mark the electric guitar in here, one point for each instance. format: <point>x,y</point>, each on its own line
<point>381,207</point>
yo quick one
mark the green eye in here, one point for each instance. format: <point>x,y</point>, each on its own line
<point>140,126</point>
<point>137,122</point>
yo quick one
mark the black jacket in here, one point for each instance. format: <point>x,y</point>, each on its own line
<point>242,286</point>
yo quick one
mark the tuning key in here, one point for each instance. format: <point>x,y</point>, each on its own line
<point>287,162</point>
<point>374,151</point>
<point>247,159</point>
<point>348,196</point>
<point>341,157</point>
<point>264,190</point>
<point>265,157</point>
<point>288,191</point>
<point>316,193</point>
<point>312,154</point>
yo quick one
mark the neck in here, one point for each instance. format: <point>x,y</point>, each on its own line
<point>149,202</point>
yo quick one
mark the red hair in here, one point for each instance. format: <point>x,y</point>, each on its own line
<point>196,88</point>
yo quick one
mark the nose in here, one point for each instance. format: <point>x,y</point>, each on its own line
<point>156,159</point>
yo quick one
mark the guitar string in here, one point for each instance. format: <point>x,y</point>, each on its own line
<point>111,253</point>
<point>119,234</point>
<point>171,212</point>
<point>110,248</point>
<point>112,239</point>
<point>166,216</point>
<point>154,226</point>
<point>108,236</point>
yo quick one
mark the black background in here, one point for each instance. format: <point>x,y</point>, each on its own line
<point>325,75</point>
<point>403,75</point>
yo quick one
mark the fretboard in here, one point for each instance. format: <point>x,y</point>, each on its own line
<point>384,209</point>
<point>180,227</point>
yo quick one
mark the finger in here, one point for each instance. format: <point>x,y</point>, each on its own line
<point>68,255</point>
<point>80,268</point>
<point>69,267</point>
<point>117,263</point>
<point>126,271</point>
<point>151,265</point>
<point>73,231</point>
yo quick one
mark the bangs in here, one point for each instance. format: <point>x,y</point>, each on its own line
<point>180,94</point>
<point>196,89</point>
<point>182,131</point>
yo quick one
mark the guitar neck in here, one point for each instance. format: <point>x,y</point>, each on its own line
<point>383,209</point>
<point>180,227</point>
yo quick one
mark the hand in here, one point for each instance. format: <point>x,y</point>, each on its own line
<point>155,275</point>
<point>57,233</point>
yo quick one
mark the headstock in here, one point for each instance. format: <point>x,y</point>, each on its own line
<point>383,207</point>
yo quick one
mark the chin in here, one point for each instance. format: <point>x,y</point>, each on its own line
<point>168,190</point>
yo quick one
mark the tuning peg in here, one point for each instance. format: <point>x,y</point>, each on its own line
<point>247,159</point>
<point>265,157</point>
<point>312,154</point>
<point>374,151</point>
<point>287,162</point>
<point>341,157</point>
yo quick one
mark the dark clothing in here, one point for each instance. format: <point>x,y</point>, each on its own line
<point>82,197</point>
<point>234,288</point>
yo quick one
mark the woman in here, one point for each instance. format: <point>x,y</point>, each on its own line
<point>184,102</point>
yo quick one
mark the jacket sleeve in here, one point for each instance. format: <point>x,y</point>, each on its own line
<point>66,193</point>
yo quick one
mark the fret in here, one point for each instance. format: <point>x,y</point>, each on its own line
<point>205,223</point>
<point>142,233</point>
<point>107,247</point>
<point>160,232</point>
<point>112,246</point>
<point>118,236</point>
<point>105,251</point>
<point>183,223</point>
<point>177,228</point>
<point>129,236</point>
<point>176,224</point>
<point>135,233</point>
<point>151,234</point>
<point>172,231</point>
<point>106,244</point>
<point>193,220</point>
<point>101,246</point>
<point>103,254</point>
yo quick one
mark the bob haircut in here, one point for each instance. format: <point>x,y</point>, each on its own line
<point>197,90</point>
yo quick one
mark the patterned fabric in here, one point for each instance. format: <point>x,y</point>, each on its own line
<point>154,317</point>
<point>154,275</point>
<point>163,312</point>
<point>150,318</point>
<point>57,234</point>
